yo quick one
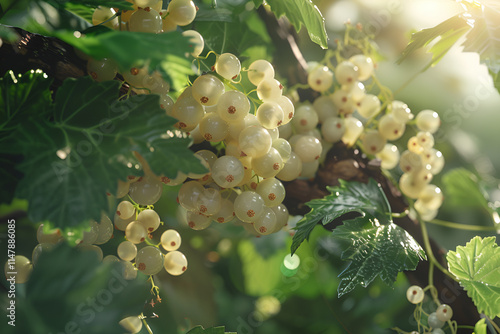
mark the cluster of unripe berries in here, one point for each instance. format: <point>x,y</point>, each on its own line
<point>350,115</point>
<point>435,320</point>
<point>243,181</point>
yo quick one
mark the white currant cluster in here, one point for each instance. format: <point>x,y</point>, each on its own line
<point>139,224</point>
<point>352,116</point>
<point>147,16</point>
<point>243,182</point>
<point>435,320</point>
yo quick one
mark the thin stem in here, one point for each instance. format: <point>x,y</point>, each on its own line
<point>462,226</point>
<point>493,324</point>
<point>429,252</point>
<point>147,326</point>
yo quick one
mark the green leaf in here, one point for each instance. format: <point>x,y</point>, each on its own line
<point>496,79</point>
<point>21,97</point>
<point>159,50</point>
<point>212,330</point>
<point>449,31</point>
<point>10,176</point>
<point>120,4</point>
<point>462,189</point>
<point>348,197</point>
<point>477,268</point>
<point>71,288</point>
<point>375,249</point>
<point>480,327</point>
<point>257,269</point>
<point>302,12</point>
<point>258,3</point>
<point>235,34</point>
<point>483,38</point>
<point>8,34</point>
<point>88,147</point>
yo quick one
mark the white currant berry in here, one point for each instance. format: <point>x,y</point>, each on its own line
<point>425,139</point>
<point>428,120</point>
<point>135,232</point>
<point>390,128</point>
<point>308,148</point>
<point>434,159</point>
<point>255,141</point>
<point>207,89</point>
<point>269,164</point>
<point>266,223</point>
<point>269,89</point>
<point>415,294</point>
<point>170,240</point>
<point>227,171</point>
<point>325,108</point>
<point>233,106</point>
<point>309,169</point>
<point>373,142</point>
<point>434,322</point>
<point>288,108</point>
<point>444,312</point>
<point>291,169</point>
<point>226,212</point>
<point>149,260</point>
<point>125,210</point>
<point>414,146</point>
<point>411,184</point>
<point>175,263</point>
<point>149,219</point>
<point>365,66</point>
<point>127,250</point>
<point>131,324</point>
<point>368,106</point>
<point>283,147</point>
<point>248,206</point>
<point>188,195</point>
<point>270,115</point>
<point>431,196</point>
<point>228,66</point>
<point>209,202</point>
<point>102,70</point>
<point>353,129</point>
<point>320,79</point>
<point>333,129</point>
<point>102,14</point>
<point>213,128</point>
<point>305,118</point>
<point>389,156</point>
<point>22,268</point>
<point>196,41</point>
<point>410,161</point>
<point>343,101</point>
<point>400,111</point>
<point>272,191</point>
<point>346,73</point>
<point>182,12</point>
<point>258,70</point>
<point>197,221</point>
<point>145,20</point>
<point>282,215</point>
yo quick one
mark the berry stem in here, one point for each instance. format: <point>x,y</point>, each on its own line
<point>462,226</point>
<point>146,324</point>
<point>430,254</point>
